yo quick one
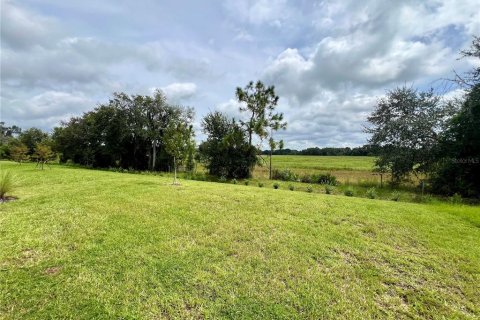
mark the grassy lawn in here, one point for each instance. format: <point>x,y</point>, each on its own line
<point>88,244</point>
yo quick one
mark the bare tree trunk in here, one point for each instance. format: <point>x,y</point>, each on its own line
<point>154,161</point>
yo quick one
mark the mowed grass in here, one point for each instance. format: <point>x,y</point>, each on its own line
<point>88,244</point>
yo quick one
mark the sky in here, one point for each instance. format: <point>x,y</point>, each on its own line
<point>330,61</point>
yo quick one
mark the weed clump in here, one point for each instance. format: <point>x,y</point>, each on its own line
<point>349,192</point>
<point>329,189</point>
<point>371,193</point>
<point>284,175</point>
<point>6,184</point>
<point>456,198</point>
<point>395,196</point>
<point>276,185</point>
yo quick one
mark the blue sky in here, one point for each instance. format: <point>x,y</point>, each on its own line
<point>329,60</point>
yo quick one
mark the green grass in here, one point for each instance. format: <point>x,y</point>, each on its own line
<point>89,244</point>
<point>323,162</point>
<point>345,168</point>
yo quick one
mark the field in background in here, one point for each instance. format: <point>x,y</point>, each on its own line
<point>89,244</point>
<point>322,163</point>
<point>347,169</point>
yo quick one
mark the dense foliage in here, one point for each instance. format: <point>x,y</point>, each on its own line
<point>226,152</point>
<point>126,132</point>
<point>458,170</point>
<point>405,125</point>
<point>416,133</point>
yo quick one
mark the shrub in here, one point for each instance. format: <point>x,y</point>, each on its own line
<point>329,189</point>
<point>234,181</point>
<point>246,182</point>
<point>306,178</point>
<point>395,196</point>
<point>6,184</point>
<point>276,185</point>
<point>349,192</point>
<point>261,184</point>
<point>291,187</point>
<point>222,179</point>
<point>371,193</point>
<point>284,175</point>
<point>325,179</point>
<point>309,189</point>
<point>456,198</point>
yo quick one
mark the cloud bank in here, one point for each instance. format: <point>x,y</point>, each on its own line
<point>329,60</point>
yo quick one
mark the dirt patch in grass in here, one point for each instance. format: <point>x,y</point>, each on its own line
<point>52,270</point>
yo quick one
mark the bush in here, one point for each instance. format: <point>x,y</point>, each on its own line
<point>6,184</point>
<point>284,175</point>
<point>371,193</point>
<point>349,192</point>
<point>234,181</point>
<point>320,179</point>
<point>222,179</point>
<point>395,196</point>
<point>261,184</point>
<point>246,182</point>
<point>306,178</point>
<point>276,185</point>
<point>325,179</point>
<point>456,198</point>
<point>291,187</point>
<point>329,189</point>
<point>309,189</point>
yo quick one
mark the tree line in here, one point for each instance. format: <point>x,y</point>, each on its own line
<point>142,132</point>
<point>412,132</point>
<point>365,150</point>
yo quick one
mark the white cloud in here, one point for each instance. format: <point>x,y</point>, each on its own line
<point>46,109</point>
<point>329,60</point>
<point>180,91</point>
